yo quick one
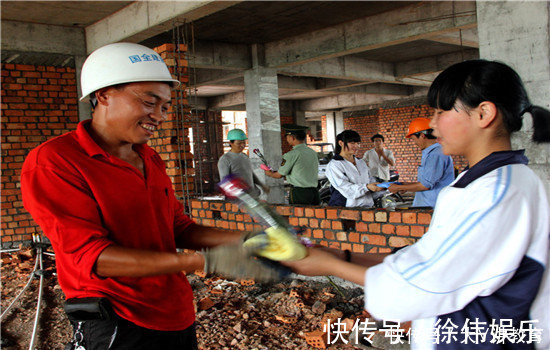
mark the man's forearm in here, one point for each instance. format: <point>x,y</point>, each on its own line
<point>273,174</point>
<point>198,237</point>
<point>416,187</point>
<point>408,187</point>
<point>117,261</point>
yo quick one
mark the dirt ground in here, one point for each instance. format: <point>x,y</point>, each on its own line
<point>230,315</point>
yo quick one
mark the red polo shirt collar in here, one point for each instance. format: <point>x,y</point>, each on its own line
<point>91,147</point>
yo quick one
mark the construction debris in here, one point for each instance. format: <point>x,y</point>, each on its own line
<point>293,314</point>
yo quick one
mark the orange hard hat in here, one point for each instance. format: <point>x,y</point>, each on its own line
<point>418,124</point>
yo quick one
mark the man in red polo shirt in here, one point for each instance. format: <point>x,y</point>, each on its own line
<point>102,197</point>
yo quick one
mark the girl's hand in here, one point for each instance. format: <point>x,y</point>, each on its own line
<point>318,262</point>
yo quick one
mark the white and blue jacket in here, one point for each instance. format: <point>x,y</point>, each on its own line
<point>349,183</point>
<point>484,258</point>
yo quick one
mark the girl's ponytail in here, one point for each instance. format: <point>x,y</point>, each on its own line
<point>541,123</point>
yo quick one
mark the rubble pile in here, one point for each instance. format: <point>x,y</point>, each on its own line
<point>268,316</point>
<point>292,314</point>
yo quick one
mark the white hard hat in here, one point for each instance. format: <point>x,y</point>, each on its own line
<point>122,63</point>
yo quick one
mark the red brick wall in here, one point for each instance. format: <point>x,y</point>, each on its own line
<point>324,127</point>
<point>172,139</point>
<point>208,143</point>
<point>360,230</point>
<point>41,102</point>
<point>38,103</point>
<point>393,124</point>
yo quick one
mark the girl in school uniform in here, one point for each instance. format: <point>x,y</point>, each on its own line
<point>352,185</point>
<point>479,277</point>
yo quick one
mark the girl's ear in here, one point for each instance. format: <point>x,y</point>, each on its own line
<point>487,114</point>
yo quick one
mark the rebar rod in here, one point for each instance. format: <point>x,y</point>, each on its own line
<point>39,303</point>
<point>21,292</point>
<point>10,250</point>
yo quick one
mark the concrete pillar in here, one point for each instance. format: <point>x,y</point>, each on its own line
<point>84,109</point>
<point>335,125</point>
<point>331,134</point>
<point>517,33</point>
<point>264,125</point>
<point>300,117</point>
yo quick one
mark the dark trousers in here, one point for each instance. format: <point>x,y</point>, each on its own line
<point>121,334</point>
<point>304,195</point>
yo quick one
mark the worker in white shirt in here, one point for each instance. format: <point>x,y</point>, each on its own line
<point>379,159</point>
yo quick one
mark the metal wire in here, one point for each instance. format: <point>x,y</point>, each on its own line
<point>179,125</point>
<point>186,115</point>
<point>40,290</point>
<point>204,142</point>
<point>21,292</point>
<point>193,110</point>
<point>38,270</point>
<point>10,250</point>
<point>178,38</point>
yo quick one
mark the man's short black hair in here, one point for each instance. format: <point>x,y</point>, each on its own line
<point>427,132</point>
<point>377,136</point>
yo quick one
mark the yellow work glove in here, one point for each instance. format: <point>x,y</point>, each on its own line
<point>277,244</point>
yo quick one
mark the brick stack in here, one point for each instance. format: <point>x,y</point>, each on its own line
<point>357,229</point>
<point>324,128</point>
<point>38,103</point>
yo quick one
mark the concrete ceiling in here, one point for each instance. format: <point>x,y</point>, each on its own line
<point>329,55</point>
<point>78,14</point>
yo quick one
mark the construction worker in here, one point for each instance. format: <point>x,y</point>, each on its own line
<point>300,166</point>
<point>435,171</point>
<point>379,159</point>
<point>102,197</point>
<point>236,162</point>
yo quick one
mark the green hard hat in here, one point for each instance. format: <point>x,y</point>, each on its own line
<point>236,134</point>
